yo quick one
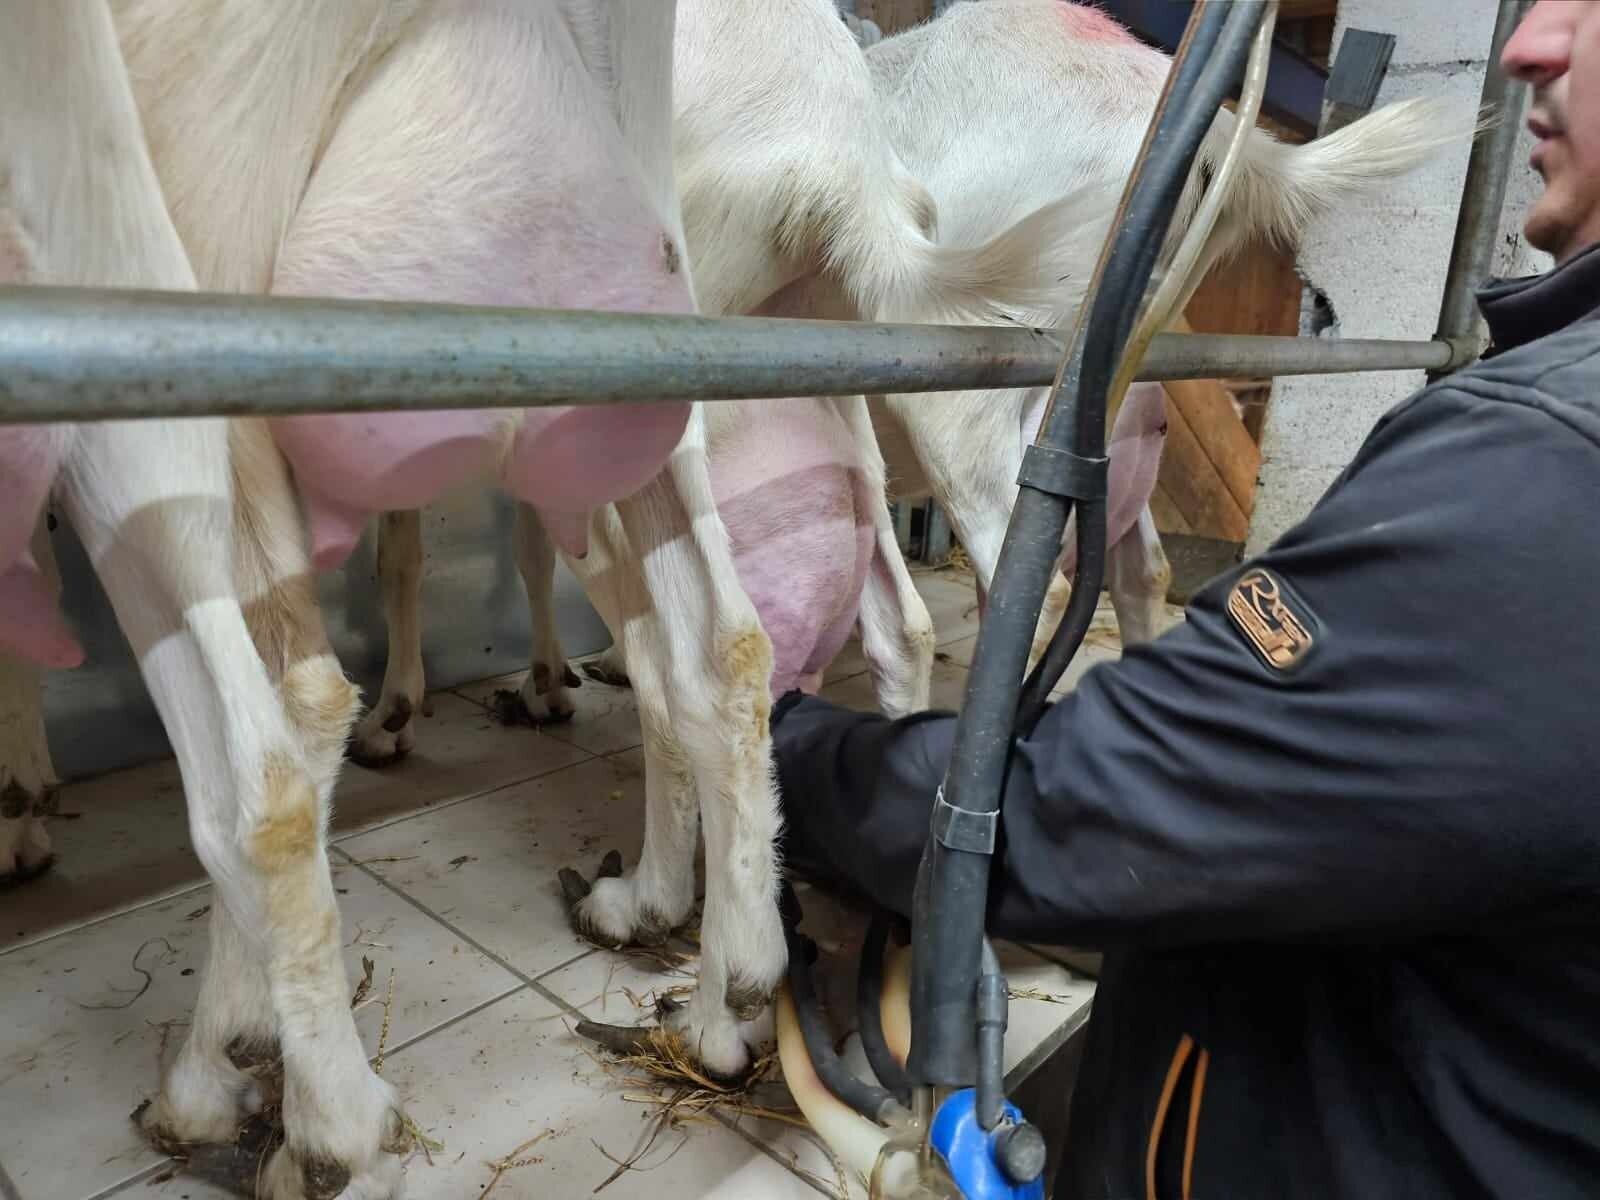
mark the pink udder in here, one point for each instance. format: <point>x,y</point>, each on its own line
<point>1088,24</point>
<point>1137,438</point>
<point>350,466</point>
<point>30,455</point>
<point>31,625</point>
<point>567,461</point>
<point>787,490</point>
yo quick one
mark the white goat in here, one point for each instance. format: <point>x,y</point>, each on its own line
<point>792,200</point>
<point>256,713</point>
<point>1000,106</point>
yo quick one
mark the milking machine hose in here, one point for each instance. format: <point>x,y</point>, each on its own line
<point>1066,464</point>
<point>869,1010</point>
<point>957,991</point>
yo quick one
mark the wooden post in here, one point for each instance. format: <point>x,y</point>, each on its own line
<point>892,16</point>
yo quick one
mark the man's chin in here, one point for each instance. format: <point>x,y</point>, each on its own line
<point>1547,231</point>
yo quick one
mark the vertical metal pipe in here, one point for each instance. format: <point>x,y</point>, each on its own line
<point>1483,193</point>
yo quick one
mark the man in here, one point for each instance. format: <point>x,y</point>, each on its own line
<point>1338,834</point>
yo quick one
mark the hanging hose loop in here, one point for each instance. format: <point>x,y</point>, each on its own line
<point>1118,293</point>
<point>869,1011</point>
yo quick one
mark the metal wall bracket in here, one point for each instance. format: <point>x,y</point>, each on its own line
<point>1295,85</point>
<point>1358,71</point>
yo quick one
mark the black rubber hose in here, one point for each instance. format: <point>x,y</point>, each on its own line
<point>869,1011</point>
<point>952,882</point>
<point>870,1101</point>
<point>992,999</point>
<point>1116,304</point>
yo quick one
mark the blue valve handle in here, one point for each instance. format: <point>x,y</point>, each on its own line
<point>971,1154</point>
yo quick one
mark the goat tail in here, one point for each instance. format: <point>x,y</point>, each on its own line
<point>895,270</point>
<point>1282,188</point>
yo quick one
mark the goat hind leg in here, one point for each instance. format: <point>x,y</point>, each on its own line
<point>897,634</point>
<point>1138,577</point>
<point>643,905</point>
<point>27,777</point>
<point>543,698</point>
<point>161,543</point>
<point>719,701</point>
<point>387,733</point>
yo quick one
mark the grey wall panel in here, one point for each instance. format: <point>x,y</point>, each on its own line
<point>475,616</point>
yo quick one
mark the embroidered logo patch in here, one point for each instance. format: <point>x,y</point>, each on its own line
<point>1276,622</point>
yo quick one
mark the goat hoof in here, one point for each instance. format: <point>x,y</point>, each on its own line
<point>400,717</point>
<point>602,673</point>
<point>363,759</point>
<point>509,708</point>
<point>27,872</point>
<point>236,1166</point>
<point>626,1041</point>
<point>574,887</point>
<point>622,1040</point>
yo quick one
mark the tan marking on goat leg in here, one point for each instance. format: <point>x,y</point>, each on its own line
<point>291,821</point>
<point>321,704</point>
<point>746,660</point>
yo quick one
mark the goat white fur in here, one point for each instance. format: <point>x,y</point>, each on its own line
<point>191,527</point>
<point>1000,106</point>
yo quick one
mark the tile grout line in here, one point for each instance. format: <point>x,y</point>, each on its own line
<point>141,1177</point>
<point>91,922</point>
<point>333,843</point>
<point>523,985</point>
<point>187,889</point>
<point>456,1019</point>
<point>441,806</point>
<point>134,1180</point>
<point>532,981</point>
<point>562,966</point>
<point>460,695</point>
<point>734,1127</point>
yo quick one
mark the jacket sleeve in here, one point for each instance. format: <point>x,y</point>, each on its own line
<point>1413,756</point>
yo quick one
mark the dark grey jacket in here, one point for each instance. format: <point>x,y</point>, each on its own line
<point>1340,830</point>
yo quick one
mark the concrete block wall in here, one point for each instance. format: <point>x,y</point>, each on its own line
<point>1381,262</point>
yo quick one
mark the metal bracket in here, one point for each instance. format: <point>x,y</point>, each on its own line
<point>963,829</point>
<point>1062,473</point>
<point>1357,74</point>
<point>1295,84</point>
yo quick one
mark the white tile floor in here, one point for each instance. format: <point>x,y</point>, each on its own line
<point>446,867</point>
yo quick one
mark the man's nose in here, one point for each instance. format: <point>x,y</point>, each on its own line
<point>1540,51</point>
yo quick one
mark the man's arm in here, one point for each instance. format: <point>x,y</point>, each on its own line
<point>1387,735</point>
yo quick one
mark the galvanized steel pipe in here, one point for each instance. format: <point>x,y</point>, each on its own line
<point>90,355</point>
<point>1483,191</point>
